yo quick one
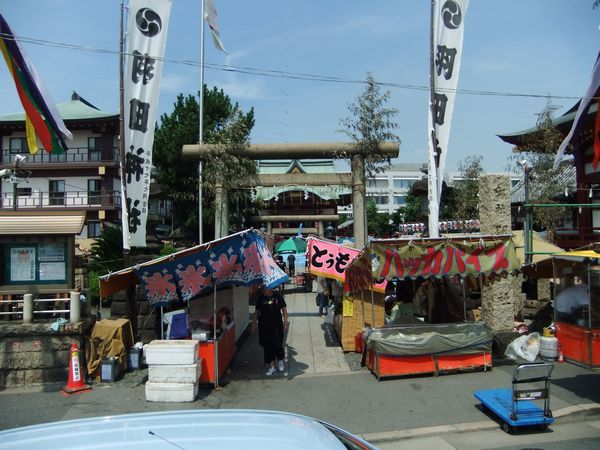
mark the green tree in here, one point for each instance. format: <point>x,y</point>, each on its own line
<point>461,201</point>
<point>225,125</point>
<point>106,255</point>
<point>546,185</point>
<point>412,210</point>
<point>370,124</point>
<point>378,223</point>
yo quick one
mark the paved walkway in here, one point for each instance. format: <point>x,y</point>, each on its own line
<point>312,346</point>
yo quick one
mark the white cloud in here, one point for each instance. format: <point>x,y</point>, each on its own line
<point>247,90</point>
<point>174,83</point>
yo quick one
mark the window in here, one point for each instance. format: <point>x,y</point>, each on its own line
<point>57,192</point>
<point>93,229</point>
<point>23,192</point>
<point>94,192</point>
<point>402,183</point>
<point>94,149</point>
<point>381,183</point>
<point>18,145</point>
<point>399,200</point>
<point>379,199</point>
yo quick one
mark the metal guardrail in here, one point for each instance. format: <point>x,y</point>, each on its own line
<point>72,155</point>
<point>13,309</point>
<point>67,199</point>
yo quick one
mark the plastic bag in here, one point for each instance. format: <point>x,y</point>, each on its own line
<point>525,347</point>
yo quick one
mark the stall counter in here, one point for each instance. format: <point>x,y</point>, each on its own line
<point>226,350</point>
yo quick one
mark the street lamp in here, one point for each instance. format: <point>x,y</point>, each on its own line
<point>527,224</point>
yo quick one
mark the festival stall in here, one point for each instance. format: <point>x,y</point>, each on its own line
<point>393,350</point>
<point>577,306</point>
<point>329,259</point>
<point>241,259</point>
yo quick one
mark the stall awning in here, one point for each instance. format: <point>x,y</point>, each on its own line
<point>35,222</point>
<point>542,249</point>
<point>545,268</point>
<point>464,256</point>
<point>240,259</point>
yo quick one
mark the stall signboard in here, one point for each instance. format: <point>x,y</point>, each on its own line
<point>240,260</point>
<point>330,260</point>
<point>432,258</point>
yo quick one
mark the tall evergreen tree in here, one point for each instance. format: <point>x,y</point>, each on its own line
<point>224,124</point>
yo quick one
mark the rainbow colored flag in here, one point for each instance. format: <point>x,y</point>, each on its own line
<point>42,120</point>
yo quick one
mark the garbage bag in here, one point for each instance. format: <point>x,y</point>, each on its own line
<point>525,347</point>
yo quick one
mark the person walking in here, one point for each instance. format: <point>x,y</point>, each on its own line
<point>322,295</point>
<point>291,260</point>
<point>271,315</point>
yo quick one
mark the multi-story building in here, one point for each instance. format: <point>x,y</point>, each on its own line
<point>389,189</point>
<point>84,178</point>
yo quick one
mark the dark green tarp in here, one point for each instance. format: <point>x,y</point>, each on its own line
<point>450,338</point>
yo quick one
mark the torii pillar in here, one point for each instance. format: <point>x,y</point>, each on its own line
<point>336,150</point>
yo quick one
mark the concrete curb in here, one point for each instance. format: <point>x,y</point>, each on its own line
<point>567,414</point>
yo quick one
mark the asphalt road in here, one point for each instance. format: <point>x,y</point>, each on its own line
<point>583,435</point>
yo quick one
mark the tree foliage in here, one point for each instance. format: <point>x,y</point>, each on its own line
<point>370,124</point>
<point>225,125</point>
<point>546,184</point>
<point>378,223</point>
<point>412,210</point>
<point>106,253</point>
<point>462,201</point>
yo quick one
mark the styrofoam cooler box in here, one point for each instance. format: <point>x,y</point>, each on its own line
<point>171,392</point>
<point>182,373</point>
<point>171,352</point>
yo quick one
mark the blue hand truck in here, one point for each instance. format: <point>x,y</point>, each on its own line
<point>520,406</point>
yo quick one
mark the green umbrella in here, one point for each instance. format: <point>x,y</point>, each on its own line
<point>291,245</point>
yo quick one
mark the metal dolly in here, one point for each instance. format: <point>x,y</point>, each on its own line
<point>517,407</point>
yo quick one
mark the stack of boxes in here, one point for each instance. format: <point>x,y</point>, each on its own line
<point>173,370</point>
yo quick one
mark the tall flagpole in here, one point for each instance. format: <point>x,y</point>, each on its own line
<point>124,223</point>
<point>432,187</point>
<point>201,121</point>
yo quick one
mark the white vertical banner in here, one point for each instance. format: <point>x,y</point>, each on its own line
<point>447,36</point>
<point>147,24</point>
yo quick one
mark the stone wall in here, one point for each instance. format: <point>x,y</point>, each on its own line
<point>34,354</point>
<point>501,300</point>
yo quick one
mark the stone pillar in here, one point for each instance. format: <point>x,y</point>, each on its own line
<point>500,300</point>
<point>28,308</point>
<point>75,307</point>
<point>321,228</point>
<point>544,289</point>
<point>221,211</point>
<point>359,212</point>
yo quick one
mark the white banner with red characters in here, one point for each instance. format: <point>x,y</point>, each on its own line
<point>329,260</point>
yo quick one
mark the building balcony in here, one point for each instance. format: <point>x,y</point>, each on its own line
<point>61,200</point>
<point>75,155</point>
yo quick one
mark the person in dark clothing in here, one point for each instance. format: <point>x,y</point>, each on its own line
<point>291,260</point>
<point>272,317</point>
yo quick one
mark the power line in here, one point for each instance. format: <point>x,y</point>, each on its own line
<point>272,73</point>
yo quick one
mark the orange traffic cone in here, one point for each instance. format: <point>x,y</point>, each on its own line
<point>75,385</point>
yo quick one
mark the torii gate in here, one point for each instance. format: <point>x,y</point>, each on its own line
<point>356,179</point>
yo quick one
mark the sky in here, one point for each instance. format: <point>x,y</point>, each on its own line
<point>531,48</point>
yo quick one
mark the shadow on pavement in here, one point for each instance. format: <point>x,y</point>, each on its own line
<point>584,386</point>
